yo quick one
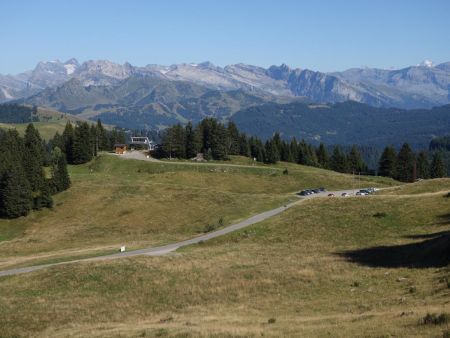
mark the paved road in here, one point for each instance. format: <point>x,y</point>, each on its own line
<point>165,249</point>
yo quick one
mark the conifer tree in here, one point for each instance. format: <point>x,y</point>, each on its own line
<point>338,161</point>
<point>233,139</point>
<point>94,140</point>
<point>82,145</point>
<point>60,176</point>
<point>405,164</point>
<point>387,165</point>
<point>355,162</point>
<point>311,156</point>
<point>219,142</point>
<point>15,193</point>
<point>286,154</point>
<point>422,165</point>
<point>68,138</point>
<point>293,145</point>
<point>33,166</point>
<point>244,148</point>
<point>191,141</point>
<point>272,155</point>
<point>103,142</point>
<point>437,168</point>
<point>322,156</point>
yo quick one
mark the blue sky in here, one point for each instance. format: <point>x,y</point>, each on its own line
<point>319,35</point>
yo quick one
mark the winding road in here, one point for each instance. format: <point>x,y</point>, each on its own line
<point>165,249</point>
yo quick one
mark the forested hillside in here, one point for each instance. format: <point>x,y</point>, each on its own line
<point>346,123</point>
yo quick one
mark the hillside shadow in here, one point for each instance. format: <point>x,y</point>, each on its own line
<point>433,235</point>
<point>445,218</point>
<point>432,252</point>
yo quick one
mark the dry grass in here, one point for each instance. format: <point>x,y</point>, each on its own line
<point>290,268</point>
<point>438,185</point>
<point>116,202</point>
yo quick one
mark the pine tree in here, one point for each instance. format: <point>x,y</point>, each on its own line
<point>276,140</point>
<point>82,145</point>
<point>405,164</point>
<point>233,138</point>
<point>272,155</point>
<point>103,142</point>
<point>322,156</point>
<point>15,193</point>
<point>387,165</point>
<point>355,161</point>
<point>338,161</point>
<point>285,154</point>
<point>191,141</point>
<point>94,140</point>
<point>68,138</point>
<point>311,156</point>
<point>437,168</point>
<point>293,145</point>
<point>174,142</point>
<point>33,166</point>
<point>60,176</point>
<point>219,142</point>
<point>302,153</point>
<point>244,147</point>
<point>422,165</point>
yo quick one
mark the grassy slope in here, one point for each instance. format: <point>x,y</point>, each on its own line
<point>50,122</point>
<point>290,268</point>
<point>117,202</point>
<point>425,186</point>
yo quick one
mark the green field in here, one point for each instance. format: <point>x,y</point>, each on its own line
<point>49,123</point>
<point>334,267</point>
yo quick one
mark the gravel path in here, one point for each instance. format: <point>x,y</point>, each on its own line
<point>165,249</point>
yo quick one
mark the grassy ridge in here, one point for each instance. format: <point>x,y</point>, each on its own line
<point>293,271</point>
<point>49,123</point>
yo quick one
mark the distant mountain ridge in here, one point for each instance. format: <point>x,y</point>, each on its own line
<point>421,86</point>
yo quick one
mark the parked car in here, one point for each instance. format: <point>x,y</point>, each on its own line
<point>316,191</point>
<point>344,194</point>
<point>322,189</point>
<point>303,193</point>
<point>330,195</point>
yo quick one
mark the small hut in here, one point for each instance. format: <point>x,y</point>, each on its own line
<point>120,149</point>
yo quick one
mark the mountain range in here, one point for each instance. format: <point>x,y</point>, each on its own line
<point>422,86</point>
<point>296,102</point>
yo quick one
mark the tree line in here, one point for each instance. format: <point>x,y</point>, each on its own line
<point>407,166</point>
<point>217,141</point>
<point>31,170</point>
<point>14,113</point>
<point>24,182</point>
<point>81,142</point>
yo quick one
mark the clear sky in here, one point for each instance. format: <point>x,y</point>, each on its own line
<point>319,35</point>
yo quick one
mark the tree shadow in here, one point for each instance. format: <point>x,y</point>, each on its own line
<point>432,252</point>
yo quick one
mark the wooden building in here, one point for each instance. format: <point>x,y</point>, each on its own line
<point>120,148</point>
